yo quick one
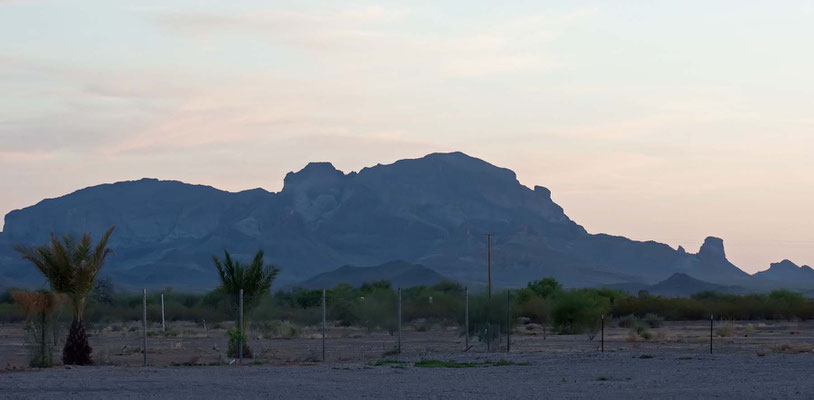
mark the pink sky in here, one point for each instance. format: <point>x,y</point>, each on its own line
<point>640,126</point>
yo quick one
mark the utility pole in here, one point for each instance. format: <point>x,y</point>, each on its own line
<point>144,328</point>
<point>489,260</point>
<point>240,350</point>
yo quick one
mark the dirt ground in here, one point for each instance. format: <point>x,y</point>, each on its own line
<point>750,360</point>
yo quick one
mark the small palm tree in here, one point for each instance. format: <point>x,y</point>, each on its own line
<point>255,279</point>
<point>71,266</point>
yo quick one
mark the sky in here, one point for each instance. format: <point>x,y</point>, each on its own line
<point>658,120</point>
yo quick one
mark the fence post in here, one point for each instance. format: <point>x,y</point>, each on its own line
<point>163,327</point>
<point>508,321</point>
<point>466,319</point>
<point>324,316</point>
<point>710,334</point>
<point>240,324</point>
<point>144,328</point>
<point>399,317</point>
<point>603,334</point>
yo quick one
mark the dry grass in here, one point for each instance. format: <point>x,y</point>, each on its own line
<point>793,348</point>
<point>726,329</point>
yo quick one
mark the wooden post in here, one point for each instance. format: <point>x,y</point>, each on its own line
<point>324,316</point>
<point>508,321</point>
<point>466,319</point>
<point>603,333</point>
<point>489,262</point>
<point>206,331</point>
<point>144,328</point>
<point>163,327</point>
<point>710,334</point>
<point>399,317</point>
<point>240,349</point>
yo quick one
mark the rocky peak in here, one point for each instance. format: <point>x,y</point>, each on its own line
<point>786,265</point>
<point>315,173</point>
<point>713,248</point>
<point>788,272</point>
<point>542,191</point>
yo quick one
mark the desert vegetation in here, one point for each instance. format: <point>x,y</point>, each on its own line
<point>39,308</point>
<point>71,266</point>
<point>373,306</point>
<point>251,282</point>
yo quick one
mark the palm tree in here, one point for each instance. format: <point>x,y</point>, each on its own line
<point>70,266</point>
<point>255,280</point>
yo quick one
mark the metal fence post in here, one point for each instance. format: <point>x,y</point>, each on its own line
<point>603,334</point>
<point>399,317</point>
<point>508,321</point>
<point>324,316</point>
<point>163,327</point>
<point>240,324</point>
<point>710,334</point>
<point>466,318</point>
<point>144,328</point>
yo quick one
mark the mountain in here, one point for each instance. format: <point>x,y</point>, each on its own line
<point>434,211</point>
<point>787,273</point>
<point>680,285</point>
<point>398,273</point>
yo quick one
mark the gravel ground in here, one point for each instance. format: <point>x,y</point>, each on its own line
<point>549,375</point>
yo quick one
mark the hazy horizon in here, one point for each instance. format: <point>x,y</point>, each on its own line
<point>666,121</point>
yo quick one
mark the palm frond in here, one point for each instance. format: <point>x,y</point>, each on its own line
<point>70,265</point>
<point>255,279</point>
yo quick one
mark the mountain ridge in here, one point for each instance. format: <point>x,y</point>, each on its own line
<point>434,211</point>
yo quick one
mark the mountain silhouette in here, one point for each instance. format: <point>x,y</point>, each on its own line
<point>400,274</point>
<point>788,273</point>
<point>679,285</point>
<point>434,211</point>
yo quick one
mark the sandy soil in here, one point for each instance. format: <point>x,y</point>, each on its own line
<point>549,375</point>
<point>758,360</point>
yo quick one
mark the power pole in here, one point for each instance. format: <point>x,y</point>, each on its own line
<point>489,260</point>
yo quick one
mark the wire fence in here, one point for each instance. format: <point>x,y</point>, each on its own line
<point>395,324</point>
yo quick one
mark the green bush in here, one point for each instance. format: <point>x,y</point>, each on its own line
<point>546,287</point>
<point>235,339</point>
<point>578,311</point>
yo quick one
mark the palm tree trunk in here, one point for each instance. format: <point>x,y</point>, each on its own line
<point>77,350</point>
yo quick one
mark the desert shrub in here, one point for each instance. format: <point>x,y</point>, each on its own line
<point>546,287</point>
<point>378,309</point>
<point>277,329</point>
<point>39,308</point>
<point>628,321</point>
<point>102,291</point>
<point>235,339</point>
<point>638,330</point>
<point>536,309</point>
<point>726,329</point>
<point>578,311</point>
<point>750,329</point>
<point>653,320</point>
